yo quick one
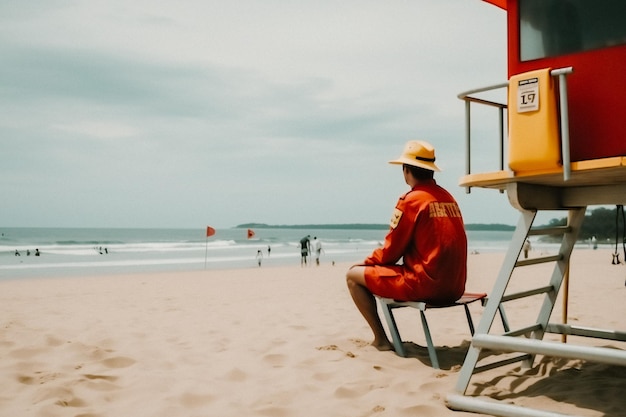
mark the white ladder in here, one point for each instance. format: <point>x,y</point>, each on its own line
<point>523,196</point>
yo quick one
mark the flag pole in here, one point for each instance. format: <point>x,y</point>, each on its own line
<point>209,232</point>
<point>206,250</point>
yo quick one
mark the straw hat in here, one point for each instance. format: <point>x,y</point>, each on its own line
<point>418,153</point>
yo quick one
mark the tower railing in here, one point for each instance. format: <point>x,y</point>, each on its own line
<point>470,97</point>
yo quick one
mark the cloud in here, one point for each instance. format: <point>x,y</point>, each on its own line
<point>143,113</point>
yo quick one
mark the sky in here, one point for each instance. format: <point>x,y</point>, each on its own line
<point>190,113</point>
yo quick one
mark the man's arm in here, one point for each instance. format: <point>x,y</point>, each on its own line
<point>399,237</point>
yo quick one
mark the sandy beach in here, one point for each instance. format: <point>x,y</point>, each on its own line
<point>277,341</point>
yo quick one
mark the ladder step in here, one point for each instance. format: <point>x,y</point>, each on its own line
<point>541,260</point>
<point>540,347</point>
<point>524,330</point>
<point>557,230</point>
<point>527,293</point>
<point>502,362</point>
<point>560,328</point>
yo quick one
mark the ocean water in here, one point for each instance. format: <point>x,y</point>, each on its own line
<point>75,252</point>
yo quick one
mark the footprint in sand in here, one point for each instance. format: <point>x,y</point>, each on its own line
<point>72,402</point>
<point>275,359</point>
<point>360,343</point>
<point>100,382</point>
<point>343,392</point>
<point>62,397</point>
<point>190,400</point>
<point>93,352</point>
<point>323,376</point>
<point>236,374</point>
<point>103,377</point>
<point>419,410</point>
<point>38,379</point>
<point>335,347</point>
<point>274,411</point>
<point>53,341</point>
<point>118,362</point>
<point>279,342</point>
<point>328,347</point>
<point>26,380</point>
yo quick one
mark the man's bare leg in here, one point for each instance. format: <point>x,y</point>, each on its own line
<point>366,304</point>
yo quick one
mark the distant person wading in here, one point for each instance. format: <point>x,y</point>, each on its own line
<point>305,248</point>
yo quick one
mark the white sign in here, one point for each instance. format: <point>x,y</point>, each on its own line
<point>528,95</point>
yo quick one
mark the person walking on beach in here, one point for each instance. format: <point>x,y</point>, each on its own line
<point>316,248</point>
<point>305,248</point>
<point>259,257</point>
<point>427,232</point>
<point>526,248</point>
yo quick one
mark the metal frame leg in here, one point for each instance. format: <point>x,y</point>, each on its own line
<point>393,329</point>
<point>432,352</point>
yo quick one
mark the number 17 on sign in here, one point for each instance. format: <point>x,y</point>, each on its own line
<point>528,95</point>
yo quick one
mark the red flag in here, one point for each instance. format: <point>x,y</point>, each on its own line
<point>250,233</point>
<point>210,231</point>
<point>500,3</point>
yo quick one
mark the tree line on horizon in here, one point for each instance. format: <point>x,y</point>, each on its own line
<point>603,223</point>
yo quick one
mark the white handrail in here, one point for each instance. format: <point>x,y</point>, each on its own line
<point>565,153</point>
<point>466,96</point>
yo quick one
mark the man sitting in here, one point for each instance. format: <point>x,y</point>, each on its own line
<point>428,233</point>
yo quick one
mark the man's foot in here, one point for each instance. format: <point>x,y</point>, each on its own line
<point>383,346</point>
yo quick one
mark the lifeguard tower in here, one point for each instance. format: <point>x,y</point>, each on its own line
<point>563,121</point>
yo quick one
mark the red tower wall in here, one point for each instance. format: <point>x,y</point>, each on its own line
<point>596,91</point>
